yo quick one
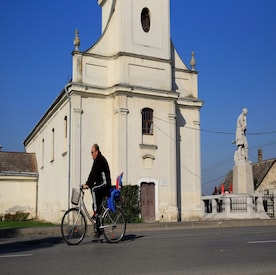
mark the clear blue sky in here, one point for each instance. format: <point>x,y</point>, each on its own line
<point>235,48</point>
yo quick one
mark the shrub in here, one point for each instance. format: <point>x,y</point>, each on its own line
<point>130,203</point>
<point>18,216</point>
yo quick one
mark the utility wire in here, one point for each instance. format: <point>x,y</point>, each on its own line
<point>219,132</point>
<point>228,133</point>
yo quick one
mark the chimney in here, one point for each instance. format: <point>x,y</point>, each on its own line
<point>260,155</point>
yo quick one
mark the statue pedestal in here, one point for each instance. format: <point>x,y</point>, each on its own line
<point>243,178</point>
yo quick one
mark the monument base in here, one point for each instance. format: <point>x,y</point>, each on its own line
<point>234,207</point>
<point>243,178</point>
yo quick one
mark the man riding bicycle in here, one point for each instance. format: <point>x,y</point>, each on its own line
<point>98,181</point>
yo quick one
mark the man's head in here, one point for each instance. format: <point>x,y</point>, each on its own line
<point>245,111</point>
<point>95,151</point>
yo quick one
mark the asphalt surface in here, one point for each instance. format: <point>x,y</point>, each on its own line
<point>54,231</point>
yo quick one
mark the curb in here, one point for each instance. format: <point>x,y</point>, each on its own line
<point>54,231</point>
<point>199,225</point>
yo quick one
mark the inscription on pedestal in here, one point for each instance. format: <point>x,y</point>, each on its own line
<point>243,179</point>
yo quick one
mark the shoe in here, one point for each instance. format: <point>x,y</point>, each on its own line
<point>97,235</point>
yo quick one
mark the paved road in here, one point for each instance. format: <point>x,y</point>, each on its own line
<point>245,250</point>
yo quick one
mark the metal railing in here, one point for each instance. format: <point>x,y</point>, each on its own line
<point>238,206</point>
<point>268,201</point>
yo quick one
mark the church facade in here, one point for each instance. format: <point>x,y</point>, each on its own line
<point>133,95</point>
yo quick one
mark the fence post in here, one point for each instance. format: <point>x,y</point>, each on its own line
<point>260,206</point>
<point>214,206</point>
<point>227,206</point>
<point>249,203</point>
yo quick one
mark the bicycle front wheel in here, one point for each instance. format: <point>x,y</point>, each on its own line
<point>114,225</point>
<point>73,226</point>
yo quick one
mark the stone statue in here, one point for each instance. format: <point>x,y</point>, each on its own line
<point>241,153</point>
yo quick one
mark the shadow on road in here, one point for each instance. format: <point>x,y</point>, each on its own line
<point>9,233</point>
<point>10,242</point>
<point>131,237</point>
<point>26,245</point>
<point>127,238</point>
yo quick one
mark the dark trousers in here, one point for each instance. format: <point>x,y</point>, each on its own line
<point>98,192</point>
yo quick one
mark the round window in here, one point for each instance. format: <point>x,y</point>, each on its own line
<point>145,19</point>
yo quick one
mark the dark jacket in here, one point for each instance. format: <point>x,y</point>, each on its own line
<point>100,165</point>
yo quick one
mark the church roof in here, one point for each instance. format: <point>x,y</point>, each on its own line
<point>18,163</point>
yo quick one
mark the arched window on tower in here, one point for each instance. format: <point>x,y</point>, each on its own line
<point>147,121</point>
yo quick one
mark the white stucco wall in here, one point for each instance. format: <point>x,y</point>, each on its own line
<point>18,193</point>
<point>52,162</point>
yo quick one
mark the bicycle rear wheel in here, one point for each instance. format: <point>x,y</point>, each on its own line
<point>73,226</point>
<point>114,225</point>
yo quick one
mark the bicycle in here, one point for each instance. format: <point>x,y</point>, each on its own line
<point>112,219</point>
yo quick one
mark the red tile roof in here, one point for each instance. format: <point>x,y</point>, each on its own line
<point>18,162</point>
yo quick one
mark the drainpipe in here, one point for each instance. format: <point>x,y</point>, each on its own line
<point>36,198</point>
<point>81,141</point>
<point>69,140</point>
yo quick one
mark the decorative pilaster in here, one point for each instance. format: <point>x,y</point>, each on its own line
<point>174,213</point>
<point>121,135</point>
<point>76,149</point>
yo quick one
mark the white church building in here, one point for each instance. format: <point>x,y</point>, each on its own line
<point>133,95</point>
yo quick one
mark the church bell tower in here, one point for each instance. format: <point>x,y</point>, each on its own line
<point>136,42</point>
<point>138,26</point>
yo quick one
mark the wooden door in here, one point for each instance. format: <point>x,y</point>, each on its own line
<point>148,201</point>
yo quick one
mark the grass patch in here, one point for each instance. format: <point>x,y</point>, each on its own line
<point>24,224</point>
